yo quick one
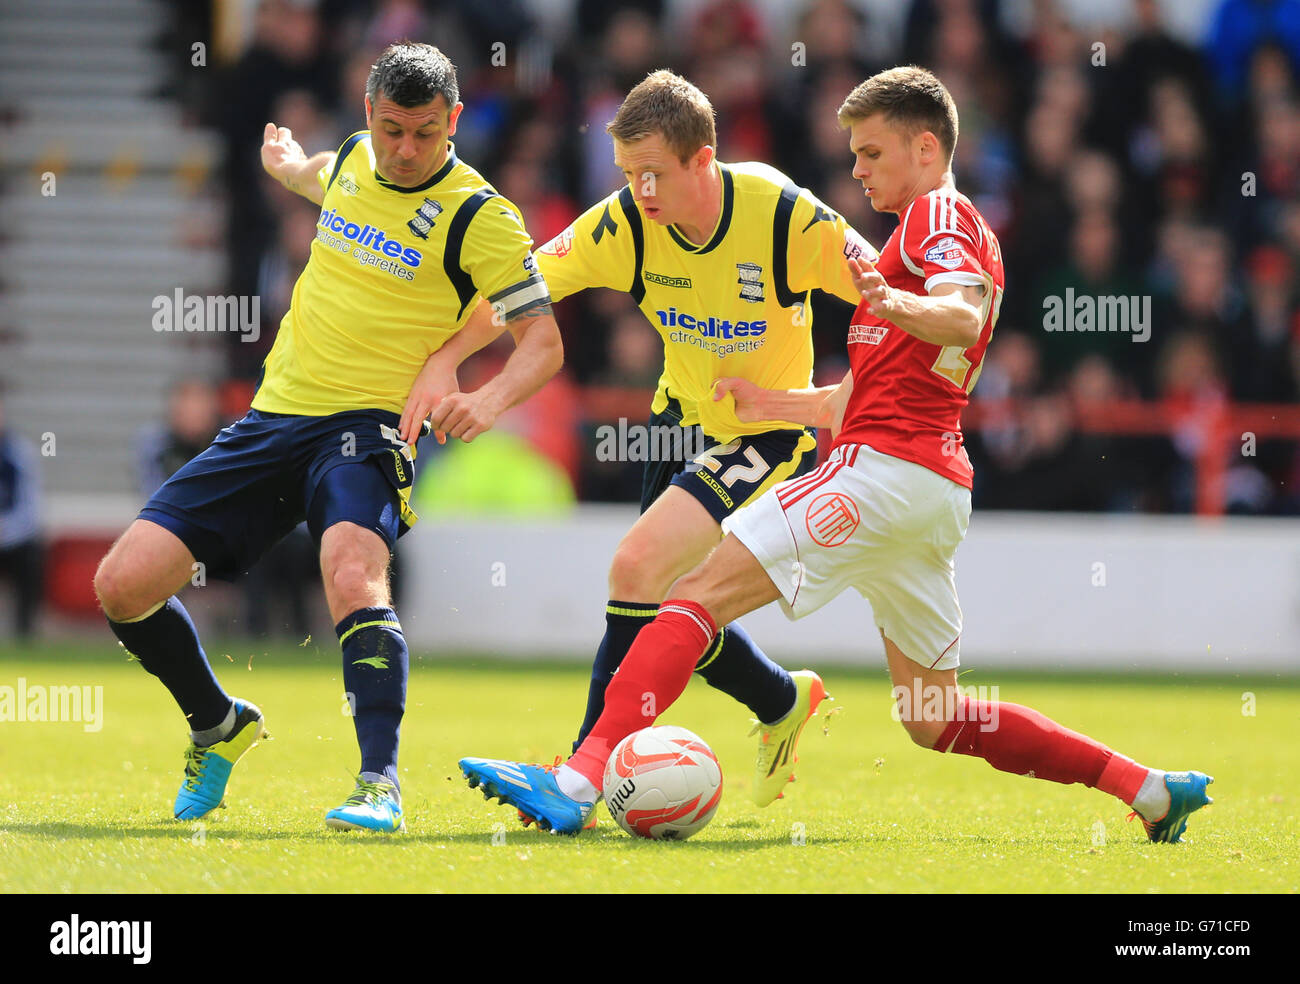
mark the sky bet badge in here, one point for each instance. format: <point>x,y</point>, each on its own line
<point>750,278</point>
<point>425,216</point>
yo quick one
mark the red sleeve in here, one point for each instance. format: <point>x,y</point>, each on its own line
<point>941,241</point>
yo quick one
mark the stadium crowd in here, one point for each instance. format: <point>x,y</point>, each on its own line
<point>1112,161</point>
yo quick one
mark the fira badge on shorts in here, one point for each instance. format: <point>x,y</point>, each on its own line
<point>832,518</point>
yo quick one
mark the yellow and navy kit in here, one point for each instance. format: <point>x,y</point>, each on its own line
<point>393,273</point>
<point>736,305</point>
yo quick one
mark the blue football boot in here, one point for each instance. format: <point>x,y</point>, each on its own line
<point>531,789</point>
<point>207,767</point>
<point>1186,796</point>
<point>373,805</point>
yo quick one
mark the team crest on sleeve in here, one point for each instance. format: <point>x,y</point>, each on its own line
<point>425,216</point>
<point>855,245</point>
<point>750,278</point>
<point>560,245</point>
<point>947,253</point>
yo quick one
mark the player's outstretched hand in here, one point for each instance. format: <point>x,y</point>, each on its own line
<point>431,387</point>
<point>280,150</point>
<point>465,415</point>
<point>746,394</point>
<point>871,285</point>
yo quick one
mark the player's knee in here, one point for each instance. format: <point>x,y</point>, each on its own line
<point>354,584</point>
<point>112,589</point>
<point>634,574</point>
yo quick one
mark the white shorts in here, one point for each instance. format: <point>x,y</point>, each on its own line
<point>867,520</point>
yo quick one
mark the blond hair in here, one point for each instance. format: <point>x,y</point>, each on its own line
<point>666,104</point>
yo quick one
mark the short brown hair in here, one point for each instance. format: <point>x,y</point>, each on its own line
<point>666,104</point>
<point>911,96</point>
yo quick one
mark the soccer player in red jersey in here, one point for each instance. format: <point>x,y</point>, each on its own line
<point>886,512</point>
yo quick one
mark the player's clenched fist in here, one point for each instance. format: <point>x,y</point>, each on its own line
<point>465,415</point>
<point>871,285</point>
<point>280,151</point>
<point>746,394</point>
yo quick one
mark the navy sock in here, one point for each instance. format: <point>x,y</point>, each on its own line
<point>623,620</point>
<point>167,645</point>
<point>735,665</point>
<point>375,665</point>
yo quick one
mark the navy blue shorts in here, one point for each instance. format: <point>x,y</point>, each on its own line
<point>724,477</point>
<point>266,473</point>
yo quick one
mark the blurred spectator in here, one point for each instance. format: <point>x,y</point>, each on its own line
<point>1238,28</point>
<point>286,54</point>
<point>1094,267</point>
<point>1193,388</point>
<point>22,553</point>
<point>288,572</point>
<point>193,419</point>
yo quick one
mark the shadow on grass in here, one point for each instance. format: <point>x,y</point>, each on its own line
<point>413,837</point>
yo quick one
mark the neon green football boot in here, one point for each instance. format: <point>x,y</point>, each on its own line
<point>777,742</point>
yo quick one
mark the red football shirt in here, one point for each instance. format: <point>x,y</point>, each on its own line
<point>908,394</point>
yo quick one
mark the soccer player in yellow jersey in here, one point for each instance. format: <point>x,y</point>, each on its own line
<point>409,238</point>
<point>721,259</point>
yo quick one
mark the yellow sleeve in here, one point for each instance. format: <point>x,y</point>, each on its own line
<point>819,247</point>
<point>598,250</point>
<point>496,253</point>
<point>325,174</point>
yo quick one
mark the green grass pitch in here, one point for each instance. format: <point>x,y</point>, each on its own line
<point>91,811</point>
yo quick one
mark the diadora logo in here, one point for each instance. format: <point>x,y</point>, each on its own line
<point>711,327</point>
<point>367,236</point>
<point>425,216</point>
<point>867,334</point>
<point>348,182</point>
<point>662,281</point>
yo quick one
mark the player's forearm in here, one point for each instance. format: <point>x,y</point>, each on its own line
<point>801,406</point>
<point>941,320</point>
<point>538,355</point>
<point>481,329</point>
<point>300,177</point>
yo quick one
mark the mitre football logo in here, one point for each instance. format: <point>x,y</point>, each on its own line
<point>425,216</point>
<point>750,278</point>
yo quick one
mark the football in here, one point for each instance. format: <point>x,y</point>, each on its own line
<point>663,783</point>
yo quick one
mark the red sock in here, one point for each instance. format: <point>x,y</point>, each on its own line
<point>1030,744</point>
<point>653,674</point>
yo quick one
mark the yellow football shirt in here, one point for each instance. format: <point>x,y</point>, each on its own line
<point>393,273</point>
<point>736,305</point>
